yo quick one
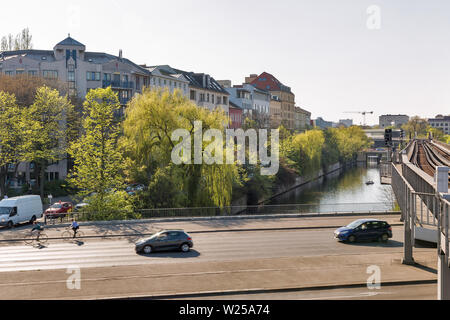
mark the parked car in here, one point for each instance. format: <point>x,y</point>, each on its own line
<point>165,241</point>
<point>58,209</point>
<point>364,229</point>
<point>20,209</point>
<point>134,188</point>
<point>80,206</point>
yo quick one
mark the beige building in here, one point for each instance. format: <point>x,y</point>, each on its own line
<point>302,119</point>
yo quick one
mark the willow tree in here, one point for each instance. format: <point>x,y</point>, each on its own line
<point>98,162</point>
<point>11,136</point>
<point>45,131</point>
<point>151,118</point>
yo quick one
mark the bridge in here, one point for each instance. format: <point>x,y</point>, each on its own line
<point>420,180</point>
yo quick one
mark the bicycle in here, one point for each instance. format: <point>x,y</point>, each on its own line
<point>32,239</point>
<point>68,234</point>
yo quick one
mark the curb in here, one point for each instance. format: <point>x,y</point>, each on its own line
<point>242,217</point>
<point>222,293</point>
<point>194,232</point>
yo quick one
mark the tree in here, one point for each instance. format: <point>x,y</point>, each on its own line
<point>11,136</point>
<point>21,41</point>
<point>98,162</point>
<point>46,131</point>
<point>24,87</point>
<point>151,118</point>
<point>415,125</point>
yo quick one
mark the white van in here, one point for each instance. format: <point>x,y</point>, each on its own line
<point>20,209</point>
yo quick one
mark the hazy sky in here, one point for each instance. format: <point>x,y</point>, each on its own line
<point>322,49</point>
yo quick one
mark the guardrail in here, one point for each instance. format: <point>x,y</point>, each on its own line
<point>307,209</point>
<point>424,209</point>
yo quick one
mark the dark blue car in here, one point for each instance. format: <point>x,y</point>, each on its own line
<point>364,230</point>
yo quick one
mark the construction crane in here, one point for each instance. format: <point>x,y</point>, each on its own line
<point>361,112</point>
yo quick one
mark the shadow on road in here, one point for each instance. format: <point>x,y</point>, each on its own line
<point>388,244</point>
<point>425,268</point>
<point>178,255</point>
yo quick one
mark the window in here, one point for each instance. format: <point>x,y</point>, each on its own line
<point>70,76</point>
<point>20,71</point>
<point>193,95</point>
<point>107,76</point>
<point>50,74</point>
<point>32,73</point>
<point>9,73</point>
<point>225,101</point>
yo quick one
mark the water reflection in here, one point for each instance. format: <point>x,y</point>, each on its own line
<point>343,190</point>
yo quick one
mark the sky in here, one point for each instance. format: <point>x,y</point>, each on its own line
<point>385,56</point>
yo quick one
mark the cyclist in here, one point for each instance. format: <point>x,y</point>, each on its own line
<point>38,228</point>
<point>75,226</point>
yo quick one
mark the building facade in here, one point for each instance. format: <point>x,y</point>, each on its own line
<point>321,123</point>
<point>236,116</point>
<point>346,122</point>
<point>206,92</point>
<point>279,92</point>
<point>440,122</point>
<point>164,77</point>
<point>396,120</point>
<point>254,102</point>
<point>302,119</point>
<point>79,71</point>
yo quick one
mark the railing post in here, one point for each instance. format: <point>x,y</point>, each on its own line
<point>407,245</point>
<point>443,267</point>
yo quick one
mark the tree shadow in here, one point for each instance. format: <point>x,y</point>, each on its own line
<point>387,244</point>
<point>172,254</point>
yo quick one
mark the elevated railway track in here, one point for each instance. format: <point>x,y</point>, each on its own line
<point>427,156</point>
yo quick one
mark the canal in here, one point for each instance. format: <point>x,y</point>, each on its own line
<point>344,190</point>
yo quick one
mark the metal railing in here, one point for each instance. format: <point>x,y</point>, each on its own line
<point>426,209</point>
<point>282,209</point>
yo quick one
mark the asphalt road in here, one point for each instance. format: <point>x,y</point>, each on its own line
<point>226,246</point>
<point>406,292</point>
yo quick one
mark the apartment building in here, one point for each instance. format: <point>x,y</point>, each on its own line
<point>302,119</point>
<point>279,92</point>
<point>165,77</point>
<point>236,118</point>
<point>254,102</point>
<point>206,92</point>
<point>440,122</point>
<point>81,71</point>
<point>70,63</point>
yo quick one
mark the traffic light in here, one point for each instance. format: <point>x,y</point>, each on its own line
<point>388,137</point>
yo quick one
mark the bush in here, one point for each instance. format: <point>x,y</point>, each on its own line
<point>113,206</point>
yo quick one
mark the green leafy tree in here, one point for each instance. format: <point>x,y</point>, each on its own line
<point>11,136</point>
<point>45,131</point>
<point>415,125</point>
<point>98,160</point>
<point>150,120</point>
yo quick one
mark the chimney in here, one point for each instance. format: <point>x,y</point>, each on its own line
<point>204,81</point>
<point>120,54</point>
<point>251,78</point>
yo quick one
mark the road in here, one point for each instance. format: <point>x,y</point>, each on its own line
<point>208,247</point>
<point>407,292</point>
<point>227,261</point>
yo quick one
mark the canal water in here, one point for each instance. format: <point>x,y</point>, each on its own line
<point>344,190</point>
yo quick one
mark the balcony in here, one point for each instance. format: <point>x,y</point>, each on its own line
<point>118,84</point>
